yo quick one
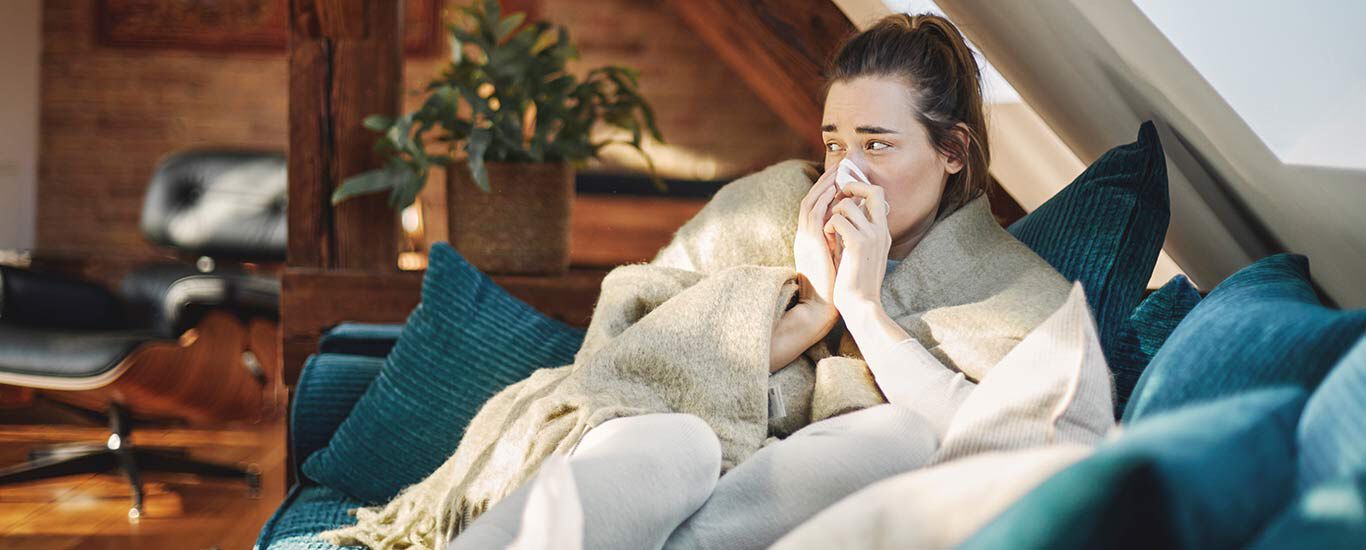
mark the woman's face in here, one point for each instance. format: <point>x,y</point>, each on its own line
<point>870,120</point>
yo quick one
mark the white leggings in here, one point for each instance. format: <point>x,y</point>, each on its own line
<point>650,481</point>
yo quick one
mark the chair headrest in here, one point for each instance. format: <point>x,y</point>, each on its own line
<point>221,203</point>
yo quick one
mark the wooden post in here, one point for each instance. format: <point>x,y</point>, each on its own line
<point>345,63</point>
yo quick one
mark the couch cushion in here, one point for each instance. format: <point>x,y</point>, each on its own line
<point>1106,227</point>
<point>1205,476</point>
<point>1053,387</point>
<point>1144,332</point>
<point>1332,436</point>
<point>1331,515</point>
<point>1263,326</point>
<point>306,512</point>
<point>467,340</point>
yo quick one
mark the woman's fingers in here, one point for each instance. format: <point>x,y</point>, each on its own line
<point>841,225</point>
<point>850,209</point>
<point>826,180</point>
<point>875,198</point>
<point>821,209</point>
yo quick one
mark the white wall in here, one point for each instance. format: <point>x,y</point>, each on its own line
<point>20,51</point>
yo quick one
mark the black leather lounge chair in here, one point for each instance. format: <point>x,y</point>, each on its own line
<point>192,342</point>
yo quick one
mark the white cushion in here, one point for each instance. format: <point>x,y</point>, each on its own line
<point>935,507</point>
<point>1053,387</point>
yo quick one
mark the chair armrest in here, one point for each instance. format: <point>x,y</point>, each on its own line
<point>328,389</point>
<point>370,339</point>
<point>170,298</point>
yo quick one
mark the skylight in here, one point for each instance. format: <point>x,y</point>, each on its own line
<point>1295,73</point>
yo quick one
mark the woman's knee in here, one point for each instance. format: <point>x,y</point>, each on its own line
<point>693,446</point>
<point>677,442</point>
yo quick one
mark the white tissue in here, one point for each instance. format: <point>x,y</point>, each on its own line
<point>847,172</point>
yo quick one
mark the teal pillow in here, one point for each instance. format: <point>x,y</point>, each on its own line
<point>465,341</point>
<point>1332,436</point>
<point>1144,332</point>
<point>1105,229</point>
<point>1331,515</point>
<point>1205,476</point>
<point>1263,326</point>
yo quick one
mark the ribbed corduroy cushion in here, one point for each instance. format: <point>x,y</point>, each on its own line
<point>467,340</point>
<point>1333,431</point>
<point>1205,476</point>
<point>306,512</point>
<point>1144,332</point>
<point>1263,326</point>
<point>1106,228</point>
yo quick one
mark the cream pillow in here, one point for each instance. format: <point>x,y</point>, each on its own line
<point>935,507</point>
<point>1053,387</point>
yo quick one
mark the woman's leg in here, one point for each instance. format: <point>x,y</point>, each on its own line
<point>638,477</point>
<point>788,482</point>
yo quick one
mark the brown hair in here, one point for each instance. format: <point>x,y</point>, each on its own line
<point>932,56</point>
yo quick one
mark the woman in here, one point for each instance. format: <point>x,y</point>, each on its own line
<point>904,104</point>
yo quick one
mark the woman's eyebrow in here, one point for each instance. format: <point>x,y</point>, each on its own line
<point>863,129</point>
<point>875,130</point>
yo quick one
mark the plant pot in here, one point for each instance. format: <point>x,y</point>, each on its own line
<point>521,226</point>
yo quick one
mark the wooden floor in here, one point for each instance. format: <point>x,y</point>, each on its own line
<point>182,511</point>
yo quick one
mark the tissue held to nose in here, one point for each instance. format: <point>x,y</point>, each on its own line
<point>848,172</point>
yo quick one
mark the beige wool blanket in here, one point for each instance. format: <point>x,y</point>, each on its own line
<point>968,292</point>
<point>690,332</point>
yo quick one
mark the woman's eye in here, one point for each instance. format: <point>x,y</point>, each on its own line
<point>832,147</point>
<point>872,144</point>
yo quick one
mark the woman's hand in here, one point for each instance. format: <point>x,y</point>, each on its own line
<point>815,313</point>
<point>811,249</point>
<point>864,242</point>
<point>800,327</point>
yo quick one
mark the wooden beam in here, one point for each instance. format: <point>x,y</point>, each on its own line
<point>345,63</point>
<point>779,48</point>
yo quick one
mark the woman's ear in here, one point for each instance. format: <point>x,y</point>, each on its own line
<point>954,163</point>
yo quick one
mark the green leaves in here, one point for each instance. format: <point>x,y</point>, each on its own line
<point>402,184</point>
<point>479,106</point>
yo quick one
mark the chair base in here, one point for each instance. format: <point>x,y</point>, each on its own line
<point>118,453</point>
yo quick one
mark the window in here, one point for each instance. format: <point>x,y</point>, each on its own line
<point>1294,72</point>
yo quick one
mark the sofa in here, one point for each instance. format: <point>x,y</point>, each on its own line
<point>1239,405</point>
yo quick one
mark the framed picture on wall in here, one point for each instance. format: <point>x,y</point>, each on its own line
<point>235,25</point>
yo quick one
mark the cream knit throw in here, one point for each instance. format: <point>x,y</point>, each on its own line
<point>690,333</point>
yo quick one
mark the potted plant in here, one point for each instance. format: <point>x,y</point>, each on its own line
<point>509,125</point>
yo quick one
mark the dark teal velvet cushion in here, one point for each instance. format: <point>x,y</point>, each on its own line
<point>1144,332</point>
<point>1333,431</point>
<point>1205,476</point>
<point>464,342</point>
<point>1262,326</point>
<point>1329,516</point>
<point>1105,229</point>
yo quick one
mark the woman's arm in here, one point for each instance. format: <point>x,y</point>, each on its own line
<point>903,369</point>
